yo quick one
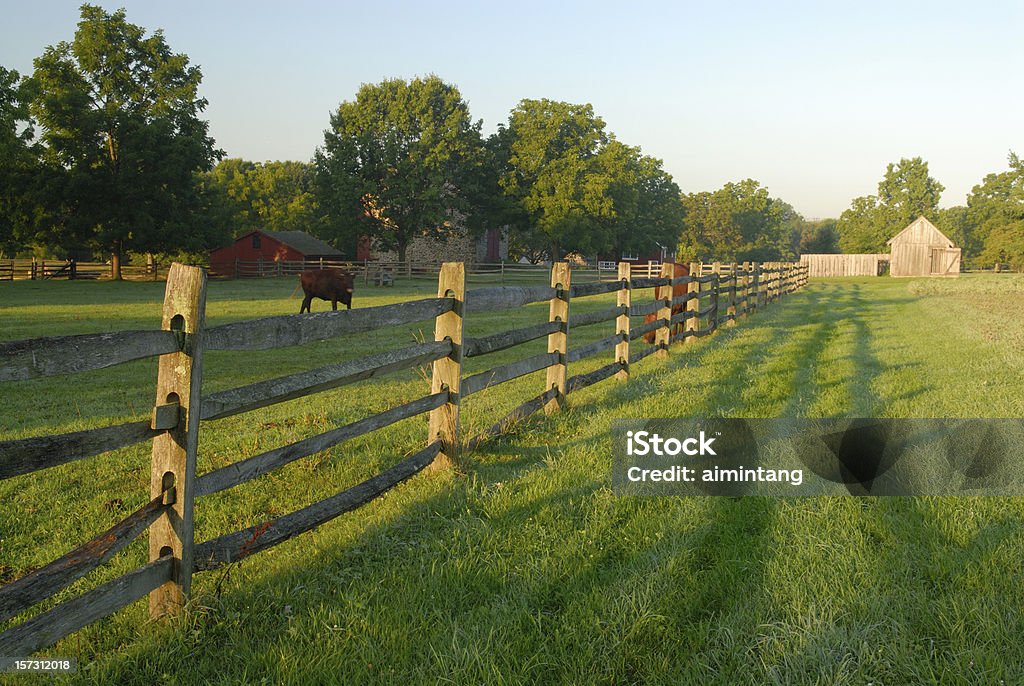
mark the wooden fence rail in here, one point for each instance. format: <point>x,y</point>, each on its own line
<point>39,269</point>
<point>715,293</point>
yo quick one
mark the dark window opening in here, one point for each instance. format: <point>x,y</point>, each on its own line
<point>255,240</point>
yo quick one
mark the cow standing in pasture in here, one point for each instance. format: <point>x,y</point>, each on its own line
<point>677,290</point>
<point>326,284</point>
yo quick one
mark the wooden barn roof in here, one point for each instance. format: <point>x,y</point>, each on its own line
<point>303,242</point>
<point>926,228</point>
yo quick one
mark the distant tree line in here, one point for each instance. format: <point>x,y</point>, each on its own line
<point>103,147</point>
<point>989,228</point>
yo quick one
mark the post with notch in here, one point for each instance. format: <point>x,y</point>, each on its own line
<point>745,299</point>
<point>755,282</point>
<point>663,335</point>
<point>176,412</point>
<point>558,342</point>
<point>447,372</point>
<point>716,291</point>
<point>730,312</point>
<point>693,304</point>
<point>624,301</point>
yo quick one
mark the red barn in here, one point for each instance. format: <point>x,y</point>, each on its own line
<point>256,253</point>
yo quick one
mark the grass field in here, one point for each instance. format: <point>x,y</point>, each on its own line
<point>524,568</point>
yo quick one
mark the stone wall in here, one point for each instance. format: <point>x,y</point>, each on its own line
<point>457,247</point>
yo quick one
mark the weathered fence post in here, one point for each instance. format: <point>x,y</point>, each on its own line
<point>716,291</point>
<point>693,304</point>
<point>623,300</point>
<point>663,334</point>
<point>756,281</point>
<point>746,290</point>
<point>447,372</point>
<point>177,410</point>
<point>730,311</point>
<point>766,283</point>
<point>559,341</point>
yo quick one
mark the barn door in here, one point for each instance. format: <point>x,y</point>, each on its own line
<point>945,261</point>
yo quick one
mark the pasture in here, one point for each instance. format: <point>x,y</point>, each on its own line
<point>522,567</point>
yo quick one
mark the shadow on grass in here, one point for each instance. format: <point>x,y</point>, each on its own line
<point>563,585</point>
<point>920,595</point>
<point>786,344</point>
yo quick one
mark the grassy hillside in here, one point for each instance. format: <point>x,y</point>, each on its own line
<point>525,568</point>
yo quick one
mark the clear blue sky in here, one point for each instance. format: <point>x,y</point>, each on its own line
<point>812,99</point>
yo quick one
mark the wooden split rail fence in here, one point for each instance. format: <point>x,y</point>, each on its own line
<point>180,410</point>
<point>38,269</point>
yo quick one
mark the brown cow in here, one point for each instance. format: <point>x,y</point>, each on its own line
<point>677,290</point>
<point>326,284</point>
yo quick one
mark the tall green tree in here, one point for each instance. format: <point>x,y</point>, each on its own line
<point>908,192</point>
<point>819,237</point>
<point>18,163</point>
<point>646,212</point>
<point>552,173</point>
<point>277,196</point>
<point>864,227</point>
<point>995,210</point>
<point>739,221</point>
<point>905,193</point>
<point>119,115</point>
<point>398,162</point>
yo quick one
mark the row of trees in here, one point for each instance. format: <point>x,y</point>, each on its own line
<point>103,147</point>
<point>405,159</point>
<point>989,228</point>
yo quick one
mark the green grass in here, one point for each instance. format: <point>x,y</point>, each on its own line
<point>524,568</point>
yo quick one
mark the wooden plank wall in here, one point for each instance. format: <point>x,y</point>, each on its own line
<point>842,265</point>
<point>914,259</point>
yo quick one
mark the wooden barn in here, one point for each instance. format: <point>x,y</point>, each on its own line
<point>267,247</point>
<point>922,250</point>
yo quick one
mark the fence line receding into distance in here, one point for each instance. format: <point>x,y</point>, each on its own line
<point>714,294</point>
